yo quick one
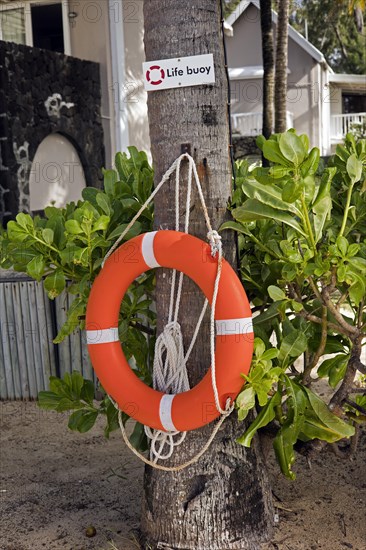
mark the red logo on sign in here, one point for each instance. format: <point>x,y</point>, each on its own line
<point>155,68</point>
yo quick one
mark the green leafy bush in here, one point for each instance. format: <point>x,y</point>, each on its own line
<point>302,242</point>
<point>302,229</point>
<point>65,250</point>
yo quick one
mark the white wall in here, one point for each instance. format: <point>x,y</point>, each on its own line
<point>90,39</point>
<point>135,96</point>
<point>89,36</point>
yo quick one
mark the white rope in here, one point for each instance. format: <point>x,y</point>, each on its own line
<point>169,371</point>
<point>179,466</point>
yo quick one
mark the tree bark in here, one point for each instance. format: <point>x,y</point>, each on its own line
<point>268,66</point>
<point>281,65</point>
<point>223,501</point>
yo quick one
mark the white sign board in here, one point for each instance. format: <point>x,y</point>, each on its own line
<point>179,72</point>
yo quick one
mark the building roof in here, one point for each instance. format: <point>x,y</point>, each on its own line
<point>293,34</point>
<point>248,72</point>
<point>340,78</point>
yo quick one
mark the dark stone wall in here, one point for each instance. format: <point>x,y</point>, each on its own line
<point>29,78</point>
<point>244,146</point>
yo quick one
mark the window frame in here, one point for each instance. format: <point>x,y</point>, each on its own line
<point>26,5</point>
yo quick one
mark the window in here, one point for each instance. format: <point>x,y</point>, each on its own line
<point>12,25</point>
<point>354,103</point>
<point>47,27</point>
<point>40,23</point>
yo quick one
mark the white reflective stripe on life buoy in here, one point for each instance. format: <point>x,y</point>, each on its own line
<point>147,249</point>
<point>102,336</point>
<point>225,327</point>
<point>165,413</point>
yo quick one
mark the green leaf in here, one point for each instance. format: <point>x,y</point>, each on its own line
<point>292,346</point>
<point>322,205</point>
<point>67,404</point>
<point>74,254</point>
<point>235,226</point>
<point>291,191</point>
<point>55,283</point>
<point>266,416</point>
<point>331,427</point>
<point>342,245</point>
<point>260,141</point>
<point>325,184</point>
<point>269,195</point>
<point>122,166</point>
<point>253,210</point>
<point>276,293</point>
<point>56,223</point>
<point>272,152</point>
<point>87,391</point>
<point>342,152</point>
<point>16,232</point>
<point>104,203</point>
<point>269,354</point>
<point>328,364</point>
<point>110,179</point>
<point>305,142</point>
<point>311,163</point>
<point>47,235</point>
<point>48,400</point>
<point>25,221</point>
<point>354,168</point>
<point>35,268</point>
<point>288,434</point>
<point>82,420</point>
<point>73,227</point>
<point>77,382</point>
<point>356,262</point>
<point>245,402</point>
<point>292,148</point>
<point>135,230</point>
<point>101,223</point>
<point>267,316</point>
<point>353,249</point>
<point>337,372</point>
<point>76,310</point>
<point>90,194</point>
<point>138,437</point>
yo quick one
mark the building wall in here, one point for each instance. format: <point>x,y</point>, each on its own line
<point>31,110</point>
<point>135,95</point>
<point>334,96</point>
<point>304,86</point>
<point>89,36</point>
<point>245,47</point>
<point>91,39</point>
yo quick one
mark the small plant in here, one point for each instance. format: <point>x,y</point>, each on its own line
<point>302,229</point>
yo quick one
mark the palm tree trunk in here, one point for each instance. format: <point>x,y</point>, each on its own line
<point>222,501</point>
<point>268,67</point>
<point>281,65</point>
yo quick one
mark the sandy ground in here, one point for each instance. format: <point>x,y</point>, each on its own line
<point>54,484</point>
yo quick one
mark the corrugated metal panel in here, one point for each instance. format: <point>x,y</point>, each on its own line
<point>28,325</point>
<point>73,353</point>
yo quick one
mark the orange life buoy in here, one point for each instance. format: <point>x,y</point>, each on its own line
<point>234,331</point>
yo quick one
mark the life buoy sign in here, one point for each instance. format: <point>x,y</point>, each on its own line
<point>155,68</point>
<point>234,331</point>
